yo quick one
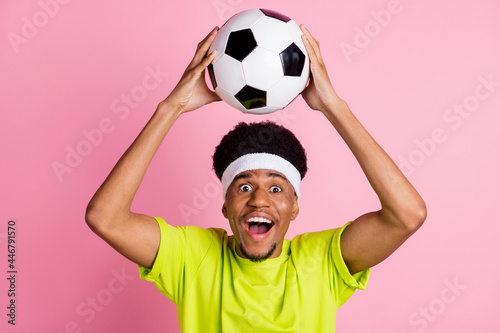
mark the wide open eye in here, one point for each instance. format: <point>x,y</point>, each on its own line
<point>276,189</point>
<point>245,188</point>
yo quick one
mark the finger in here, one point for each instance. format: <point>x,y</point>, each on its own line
<point>210,35</point>
<point>204,46</point>
<point>208,59</point>
<point>314,44</point>
<point>310,37</point>
<point>203,64</point>
<point>310,50</point>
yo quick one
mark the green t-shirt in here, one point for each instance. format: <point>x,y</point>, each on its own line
<point>215,290</point>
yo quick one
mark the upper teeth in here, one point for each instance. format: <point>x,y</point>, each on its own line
<point>259,219</point>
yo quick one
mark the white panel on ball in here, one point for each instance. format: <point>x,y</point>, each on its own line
<point>230,99</point>
<point>296,35</point>
<point>272,34</point>
<point>229,74</point>
<point>262,68</point>
<point>244,20</point>
<point>284,91</point>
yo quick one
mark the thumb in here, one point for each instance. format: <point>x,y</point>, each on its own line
<point>213,97</point>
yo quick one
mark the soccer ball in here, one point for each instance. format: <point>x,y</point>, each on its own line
<point>261,63</point>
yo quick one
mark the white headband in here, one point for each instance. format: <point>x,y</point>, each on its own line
<point>255,161</point>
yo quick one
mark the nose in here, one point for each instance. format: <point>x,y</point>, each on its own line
<point>259,198</point>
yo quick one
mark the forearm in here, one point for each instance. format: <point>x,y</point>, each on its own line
<point>113,200</point>
<point>401,203</point>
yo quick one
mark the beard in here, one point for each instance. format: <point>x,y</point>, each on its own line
<point>256,257</point>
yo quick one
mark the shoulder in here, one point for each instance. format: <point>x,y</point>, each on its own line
<point>190,230</point>
<point>323,245</point>
<point>192,237</point>
<point>316,239</point>
<point>321,250</point>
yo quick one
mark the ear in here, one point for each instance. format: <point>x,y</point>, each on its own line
<point>224,210</point>
<point>295,209</point>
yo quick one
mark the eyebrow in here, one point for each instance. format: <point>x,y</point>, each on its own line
<point>247,175</point>
<point>274,174</point>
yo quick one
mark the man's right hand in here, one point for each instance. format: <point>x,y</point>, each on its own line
<point>192,91</point>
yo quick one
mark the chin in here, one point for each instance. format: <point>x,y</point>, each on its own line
<point>258,257</point>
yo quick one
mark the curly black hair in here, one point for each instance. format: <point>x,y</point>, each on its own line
<point>262,137</point>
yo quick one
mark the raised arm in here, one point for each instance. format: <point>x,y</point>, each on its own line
<point>374,236</point>
<point>108,214</point>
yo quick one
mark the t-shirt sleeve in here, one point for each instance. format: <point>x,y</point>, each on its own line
<point>339,268</point>
<point>179,256</point>
<point>322,250</point>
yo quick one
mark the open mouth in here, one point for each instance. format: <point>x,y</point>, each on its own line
<point>258,225</point>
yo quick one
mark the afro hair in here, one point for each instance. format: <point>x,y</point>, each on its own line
<point>263,137</point>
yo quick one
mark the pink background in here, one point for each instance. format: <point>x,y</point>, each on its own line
<point>66,67</point>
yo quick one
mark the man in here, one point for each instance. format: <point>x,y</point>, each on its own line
<point>255,280</point>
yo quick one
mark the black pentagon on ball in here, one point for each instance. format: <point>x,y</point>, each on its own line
<point>251,98</point>
<point>212,75</point>
<point>292,59</point>
<point>240,43</point>
<point>276,15</point>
